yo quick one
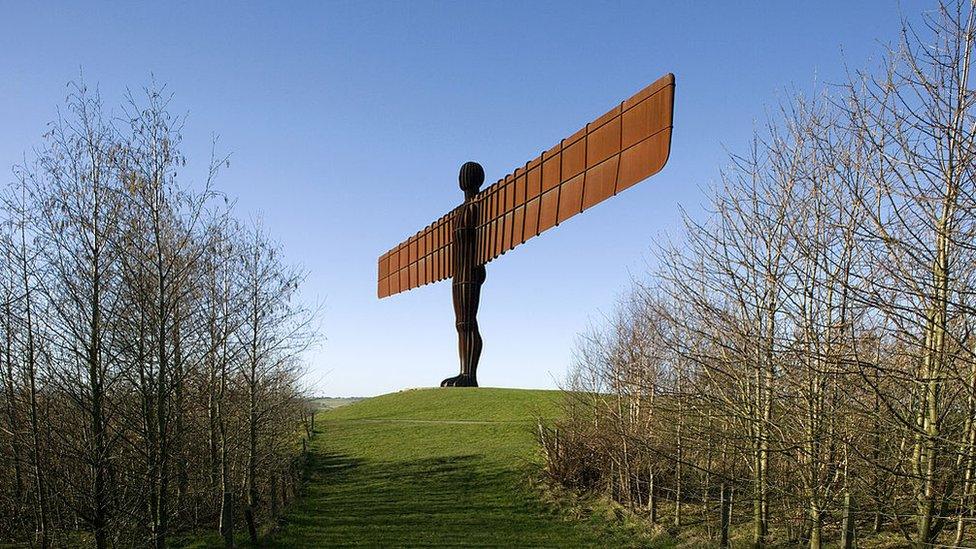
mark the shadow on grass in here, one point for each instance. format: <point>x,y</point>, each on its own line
<point>445,501</point>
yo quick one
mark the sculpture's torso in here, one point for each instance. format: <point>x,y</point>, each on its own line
<point>466,267</point>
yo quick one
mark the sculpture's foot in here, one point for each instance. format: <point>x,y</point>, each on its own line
<point>460,381</point>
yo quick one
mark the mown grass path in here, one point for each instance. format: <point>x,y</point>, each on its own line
<point>431,467</point>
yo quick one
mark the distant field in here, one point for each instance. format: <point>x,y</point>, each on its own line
<point>330,403</point>
<point>433,467</point>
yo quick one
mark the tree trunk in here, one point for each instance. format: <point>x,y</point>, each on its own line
<point>227,518</point>
<point>725,508</point>
<point>816,527</point>
<point>40,485</point>
<point>252,490</point>
<point>847,527</point>
<point>651,498</point>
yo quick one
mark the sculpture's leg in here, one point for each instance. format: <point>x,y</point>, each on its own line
<point>469,351</point>
<point>474,353</point>
<point>466,297</point>
<point>457,293</point>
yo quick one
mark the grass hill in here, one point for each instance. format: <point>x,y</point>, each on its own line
<point>433,467</point>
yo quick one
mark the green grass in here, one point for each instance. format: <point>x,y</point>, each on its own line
<point>434,467</point>
<point>457,404</point>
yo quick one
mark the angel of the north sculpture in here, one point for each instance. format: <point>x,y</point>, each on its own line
<point>619,149</point>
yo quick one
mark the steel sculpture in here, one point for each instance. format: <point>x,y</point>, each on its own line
<point>619,149</point>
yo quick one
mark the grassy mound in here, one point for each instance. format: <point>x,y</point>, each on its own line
<point>432,467</point>
<point>456,404</point>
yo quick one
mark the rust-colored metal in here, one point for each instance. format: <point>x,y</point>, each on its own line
<point>619,149</point>
<point>469,275</point>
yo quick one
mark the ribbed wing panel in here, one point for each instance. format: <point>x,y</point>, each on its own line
<point>617,150</point>
<point>421,259</point>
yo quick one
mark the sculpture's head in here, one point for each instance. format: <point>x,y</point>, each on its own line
<point>471,177</point>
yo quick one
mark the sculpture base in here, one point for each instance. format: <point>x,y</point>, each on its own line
<point>460,381</point>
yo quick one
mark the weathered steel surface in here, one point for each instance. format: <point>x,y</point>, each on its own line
<point>628,144</point>
<point>469,275</point>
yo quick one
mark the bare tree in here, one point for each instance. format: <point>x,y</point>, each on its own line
<point>132,360</point>
<point>814,332</point>
<point>274,331</point>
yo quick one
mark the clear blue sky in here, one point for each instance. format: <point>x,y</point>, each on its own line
<point>348,121</point>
